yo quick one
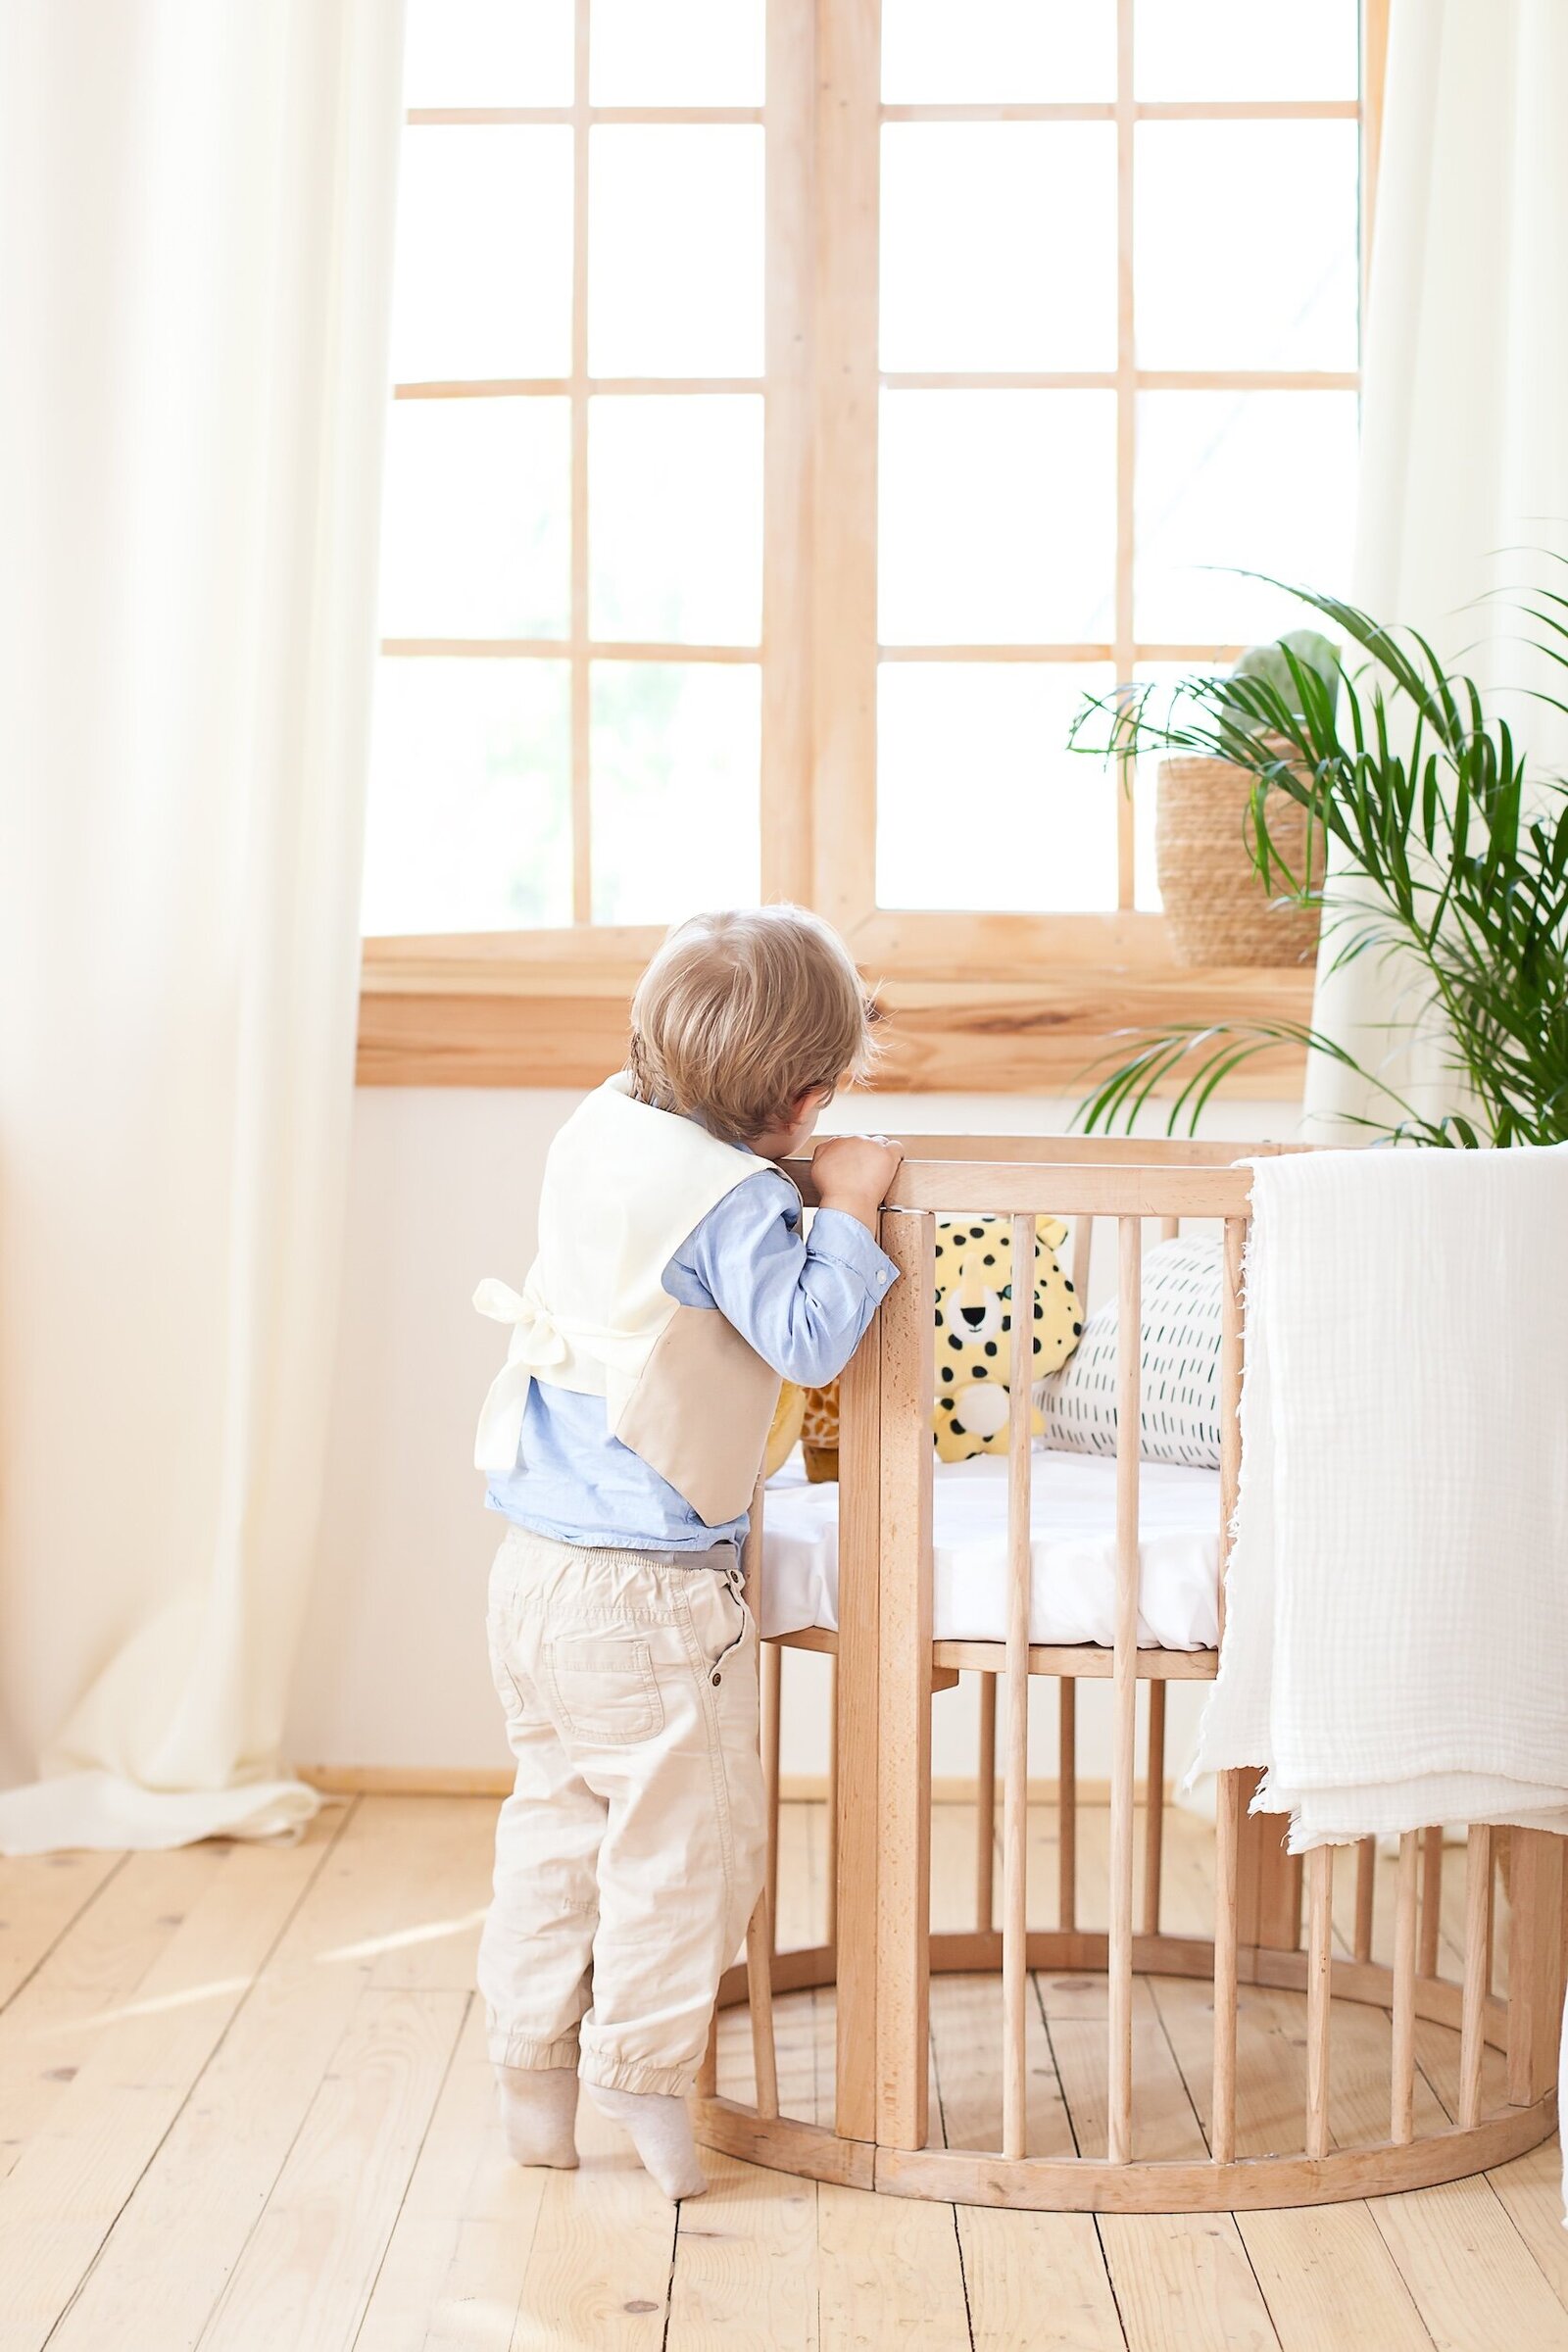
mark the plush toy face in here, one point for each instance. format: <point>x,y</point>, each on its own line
<point>973,1341</point>
<point>974,1329</point>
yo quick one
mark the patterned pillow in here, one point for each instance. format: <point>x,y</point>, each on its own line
<point>1181,1341</point>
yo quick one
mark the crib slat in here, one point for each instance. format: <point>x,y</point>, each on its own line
<point>1228,1816</point>
<point>830,1927</point>
<point>1477,1966</point>
<point>760,2002</point>
<point>773,1669</point>
<point>985,1808</point>
<point>1402,2111</point>
<point>1015,1783</point>
<point>1124,1690</point>
<point>856,1747</point>
<point>1153,1807</point>
<point>1227,1897</point>
<point>1169,1228</point>
<point>760,1926</point>
<point>1067,1802</point>
<point>707,2071</point>
<point>1366,1871</point>
<point>1319,1959</point>
<point>1230,1392</point>
<point>1430,1898</point>
<point>1083,1246</point>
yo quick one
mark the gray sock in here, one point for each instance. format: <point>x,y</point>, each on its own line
<point>538,2108</point>
<point>660,2131</point>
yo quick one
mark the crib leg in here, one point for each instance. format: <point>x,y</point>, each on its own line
<point>1270,1880</point>
<point>1535,1962</point>
<point>903,1934</point>
<point>985,1808</point>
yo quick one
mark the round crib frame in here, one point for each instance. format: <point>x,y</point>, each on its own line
<point>881,1953</point>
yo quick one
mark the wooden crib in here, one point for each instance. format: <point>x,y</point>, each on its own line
<point>1489,2054</point>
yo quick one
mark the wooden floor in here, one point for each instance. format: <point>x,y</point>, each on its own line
<point>244,2106</point>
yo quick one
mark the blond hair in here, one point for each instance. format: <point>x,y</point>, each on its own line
<point>739,1014</point>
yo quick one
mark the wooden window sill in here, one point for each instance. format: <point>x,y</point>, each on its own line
<point>471,1015</point>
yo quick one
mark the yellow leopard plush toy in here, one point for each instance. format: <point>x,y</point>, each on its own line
<point>973,1341</point>
<point>975,1328</point>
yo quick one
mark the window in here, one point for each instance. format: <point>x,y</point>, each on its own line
<point>796,411</point>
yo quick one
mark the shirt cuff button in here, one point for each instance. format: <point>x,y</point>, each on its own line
<point>881,1276</point>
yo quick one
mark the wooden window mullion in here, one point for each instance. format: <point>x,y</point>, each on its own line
<point>1126,432</point>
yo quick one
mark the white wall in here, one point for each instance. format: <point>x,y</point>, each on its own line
<point>445,1189</point>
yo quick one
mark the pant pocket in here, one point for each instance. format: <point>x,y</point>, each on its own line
<point>604,1690</point>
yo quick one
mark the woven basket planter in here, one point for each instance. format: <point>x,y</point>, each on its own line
<point>1217,910</point>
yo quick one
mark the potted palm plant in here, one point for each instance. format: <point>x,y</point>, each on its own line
<point>1445,856</point>
<point>1216,909</point>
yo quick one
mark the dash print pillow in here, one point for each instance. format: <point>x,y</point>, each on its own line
<point>1181,1339</point>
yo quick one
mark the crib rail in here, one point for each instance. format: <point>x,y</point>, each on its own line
<point>1384,1948</point>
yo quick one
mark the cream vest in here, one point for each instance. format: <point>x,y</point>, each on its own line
<point>624,1184</point>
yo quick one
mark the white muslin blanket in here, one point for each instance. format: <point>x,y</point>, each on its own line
<point>1396,1647</point>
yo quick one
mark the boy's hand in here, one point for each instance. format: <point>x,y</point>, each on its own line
<point>853,1172</point>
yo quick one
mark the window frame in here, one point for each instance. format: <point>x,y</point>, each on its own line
<point>980,1001</point>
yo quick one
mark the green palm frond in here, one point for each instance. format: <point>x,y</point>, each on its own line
<point>1451,858</point>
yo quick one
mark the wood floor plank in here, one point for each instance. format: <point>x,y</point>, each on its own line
<point>306,2272</point>
<point>889,2275</point>
<point>40,1896</point>
<point>599,2268</point>
<point>1469,2274</point>
<point>1530,2191</point>
<point>440,1949</point>
<point>175,2246</point>
<point>1326,2275</point>
<point>319,2166</point>
<point>1330,2282</point>
<point>1037,2282</point>
<point>746,2263</point>
<point>1182,2281</point>
<point>966,2036</point>
<point>452,2276</point>
<point>73,2176</point>
<point>65,2011</point>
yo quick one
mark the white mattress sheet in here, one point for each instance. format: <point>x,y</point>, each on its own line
<point>1073,1549</point>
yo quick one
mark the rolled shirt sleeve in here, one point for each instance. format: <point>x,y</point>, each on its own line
<point>801,1303</point>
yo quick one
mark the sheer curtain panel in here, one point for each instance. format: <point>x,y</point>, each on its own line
<point>196,215</point>
<point>1464,460</point>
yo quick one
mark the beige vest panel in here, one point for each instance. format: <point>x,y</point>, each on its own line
<point>624,1184</point>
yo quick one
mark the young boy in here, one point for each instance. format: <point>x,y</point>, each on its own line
<point>672,1291</point>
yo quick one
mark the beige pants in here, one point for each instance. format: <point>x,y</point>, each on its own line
<point>631,1852</point>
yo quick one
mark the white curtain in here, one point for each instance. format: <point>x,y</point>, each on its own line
<point>196,209</point>
<point>1464,447</point>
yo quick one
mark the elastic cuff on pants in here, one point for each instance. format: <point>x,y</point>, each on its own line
<point>668,2082</point>
<point>535,2056</point>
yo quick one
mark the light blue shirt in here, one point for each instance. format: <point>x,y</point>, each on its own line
<point>802,1305</point>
